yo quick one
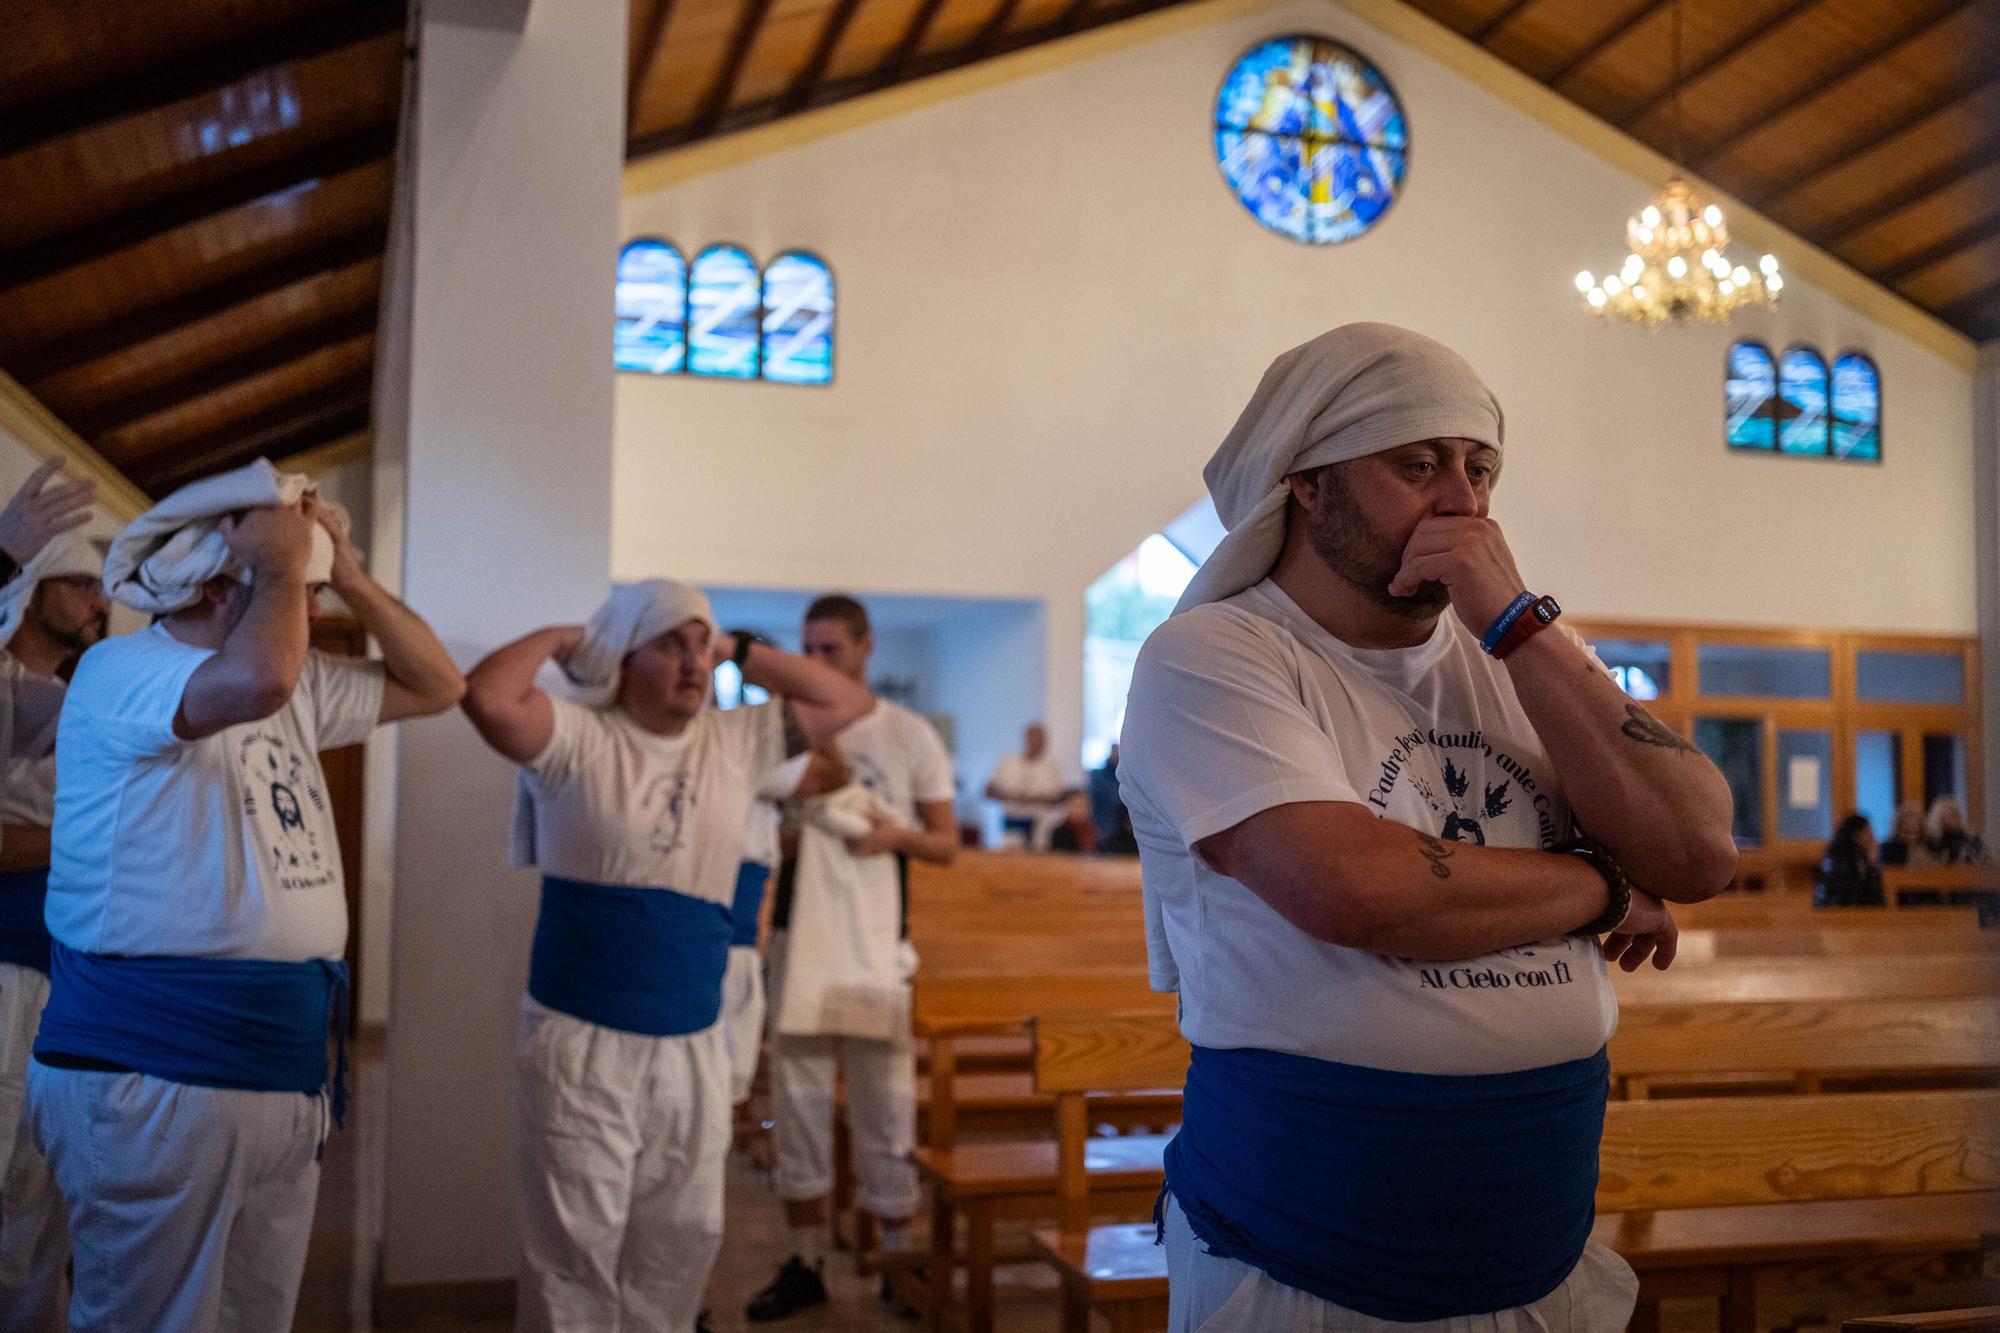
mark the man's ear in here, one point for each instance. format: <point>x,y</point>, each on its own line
<point>1305,488</point>
<point>215,591</point>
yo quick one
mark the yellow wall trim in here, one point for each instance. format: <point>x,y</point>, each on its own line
<point>321,458</point>
<point>23,417</point>
<point>1418,31</point>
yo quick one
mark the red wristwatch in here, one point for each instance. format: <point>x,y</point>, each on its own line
<point>1538,617</point>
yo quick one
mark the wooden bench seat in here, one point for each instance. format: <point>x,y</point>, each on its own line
<point>1986,1320</point>
<point>1119,1269</point>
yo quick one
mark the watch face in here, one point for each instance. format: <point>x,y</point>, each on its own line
<point>1546,610</point>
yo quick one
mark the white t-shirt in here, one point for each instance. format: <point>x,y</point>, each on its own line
<point>28,777</point>
<point>897,754</point>
<point>1243,705</point>
<point>617,804</point>
<point>222,847</point>
<point>1037,782</point>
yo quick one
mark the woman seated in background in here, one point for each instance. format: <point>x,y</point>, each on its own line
<point>1848,876</point>
<point>1905,843</point>
<point>1946,839</point>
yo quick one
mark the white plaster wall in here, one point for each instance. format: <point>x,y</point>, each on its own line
<point>1051,310</point>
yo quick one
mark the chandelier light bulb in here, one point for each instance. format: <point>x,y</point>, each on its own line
<point>1725,286</point>
<point>1712,216</point>
<point>1651,217</point>
<point>1677,267</point>
<point>1774,282</point>
<point>1612,286</point>
<point>1638,293</point>
<point>1769,263</point>
<point>1596,298</point>
<point>1742,276</point>
<point>1584,282</point>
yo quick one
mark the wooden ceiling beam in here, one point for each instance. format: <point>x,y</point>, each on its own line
<point>1592,49</point>
<point>649,59</point>
<point>716,104</point>
<point>261,360</point>
<point>1974,87</point>
<point>1499,21</point>
<point>202,72</point>
<point>1859,63</point>
<point>1836,232</point>
<point>800,94</point>
<point>134,327</point>
<point>991,31</point>
<point>897,64</point>
<point>145,222</point>
<point>1973,233</point>
<point>1961,311</point>
<point>290,427</point>
<point>1743,41</point>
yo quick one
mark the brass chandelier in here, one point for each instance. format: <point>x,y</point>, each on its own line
<point>1678,266</point>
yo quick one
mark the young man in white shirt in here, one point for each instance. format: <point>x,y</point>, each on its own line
<point>180,1075</point>
<point>897,756</point>
<point>1030,790</point>
<point>50,611</point>
<point>1356,760</point>
<point>637,800</point>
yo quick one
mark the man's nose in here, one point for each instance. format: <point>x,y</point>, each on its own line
<point>1458,497</point>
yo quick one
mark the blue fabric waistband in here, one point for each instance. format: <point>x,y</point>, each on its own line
<point>246,1023</point>
<point>1403,1196</point>
<point>751,876</point>
<point>24,933</point>
<point>640,960</point>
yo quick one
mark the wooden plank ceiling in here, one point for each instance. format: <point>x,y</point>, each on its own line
<point>194,194</point>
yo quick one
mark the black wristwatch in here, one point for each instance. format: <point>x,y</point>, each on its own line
<point>744,638</point>
<point>1619,905</point>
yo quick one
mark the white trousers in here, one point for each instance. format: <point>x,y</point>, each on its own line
<point>34,1242</point>
<point>743,1019</point>
<point>881,1119</point>
<point>1210,1294</point>
<point>189,1208</point>
<point>622,1145</point>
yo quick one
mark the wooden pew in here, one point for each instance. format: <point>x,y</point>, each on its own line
<point>1731,909</point>
<point>1813,941</point>
<point>1985,1320</point>
<point>1906,886</point>
<point>1771,979</point>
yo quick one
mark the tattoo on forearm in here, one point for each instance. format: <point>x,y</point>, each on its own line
<point>1436,852</point>
<point>1646,729</point>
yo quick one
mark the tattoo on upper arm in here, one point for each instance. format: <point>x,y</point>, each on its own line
<point>1646,729</point>
<point>1436,852</point>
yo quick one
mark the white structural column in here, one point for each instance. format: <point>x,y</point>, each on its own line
<point>504,458</point>
<point>1986,501</point>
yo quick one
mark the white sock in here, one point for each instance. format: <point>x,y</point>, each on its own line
<point>895,1236</point>
<point>809,1244</point>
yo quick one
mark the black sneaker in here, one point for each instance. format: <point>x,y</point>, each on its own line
<point>795,1288</point>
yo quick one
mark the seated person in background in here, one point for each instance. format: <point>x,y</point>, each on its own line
<point>1077,832</point>
<point>1906,841</point>
<point>1030,789</point>
<point>1848,876</point>
<point>1946,839</point>
<point>1108,812</point>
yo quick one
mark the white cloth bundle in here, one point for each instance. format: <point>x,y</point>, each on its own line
<point>68,555</point>
<point>163,557</point>
<point>1356,390</point>
<point>633,615</point>
<point>846,967</point>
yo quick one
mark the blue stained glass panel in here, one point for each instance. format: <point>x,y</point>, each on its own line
<point>1802,381</point>
<point>1751,397</point>
<point>1857,408</point>
<point>1311,139</point>
<point>651,304</point>
<point>798,320</point>
<point>724,288</point>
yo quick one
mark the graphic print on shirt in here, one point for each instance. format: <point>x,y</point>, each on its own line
<point>868,773</point>
<point>279,784</point>
<point>667,802</point>
<point>1464,808</point>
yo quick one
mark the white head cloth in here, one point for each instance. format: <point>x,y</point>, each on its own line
<point>634,614</point>
<point>164,556</point>
<point>68,555</point>
<point>1359,389</point>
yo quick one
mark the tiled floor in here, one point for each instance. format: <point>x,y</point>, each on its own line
<point>334,1298</point>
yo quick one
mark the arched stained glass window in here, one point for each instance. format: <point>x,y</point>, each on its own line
<point>724,291</point>
<point>1750,397</point>
<point>1311,138</point>
<point>798,319</point>
<point>1802,394</point>
<point>1857,408</point>
<point>651,302</point>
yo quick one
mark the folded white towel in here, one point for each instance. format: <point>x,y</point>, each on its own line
<point>846,968</point>
<point>163,557</point>
<point>68,555</point>
<point>632,615</point>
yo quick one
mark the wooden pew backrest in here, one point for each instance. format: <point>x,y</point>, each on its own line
<point>1852,1037</point>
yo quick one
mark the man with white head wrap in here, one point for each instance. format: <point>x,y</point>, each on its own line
<point>1356,771</point>
<point>635,796</point>
<point>180,1078</point>
<point>51,611</point>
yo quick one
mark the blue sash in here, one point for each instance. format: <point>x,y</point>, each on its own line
<point>1403,1196</point>
<point>640,960</point>
<point>213,1022</point>
<point>24,934</point>
<point>751,876</point>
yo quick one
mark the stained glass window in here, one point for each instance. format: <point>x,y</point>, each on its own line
<point>1751,397</point>
<point>651,302</point>
<point>1802,385</point>
<point>1311,138</point>
<point>798,319</point>
<point>724,288</point>
<point>1857,408</point>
